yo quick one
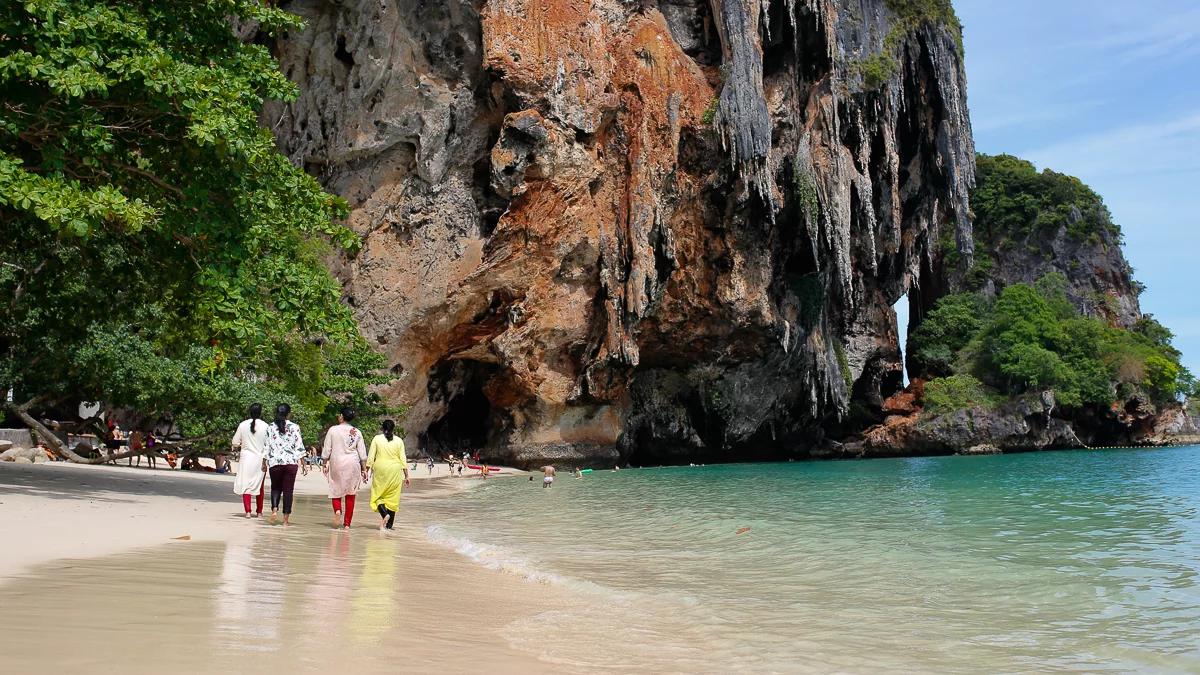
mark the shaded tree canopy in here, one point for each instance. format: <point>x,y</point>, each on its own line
<point>156,250</point>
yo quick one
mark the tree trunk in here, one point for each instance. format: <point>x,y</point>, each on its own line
<point>22,412</point>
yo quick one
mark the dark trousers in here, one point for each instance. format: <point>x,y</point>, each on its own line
<point>385,512</point>
<point>283,482</point>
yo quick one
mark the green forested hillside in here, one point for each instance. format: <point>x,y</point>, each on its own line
<point>1030,338</point>
<point>1050,303</point>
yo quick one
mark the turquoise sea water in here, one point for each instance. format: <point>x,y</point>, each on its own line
<point>1086,560</point>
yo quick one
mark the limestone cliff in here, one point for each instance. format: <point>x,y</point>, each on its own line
<point>602,230</point>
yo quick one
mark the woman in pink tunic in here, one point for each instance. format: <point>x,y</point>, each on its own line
<point>345,467</point>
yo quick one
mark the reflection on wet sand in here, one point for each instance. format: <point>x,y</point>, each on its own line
<point>375,600</point>
<point>305,597</point>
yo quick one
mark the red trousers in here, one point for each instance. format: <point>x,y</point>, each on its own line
<point>257,500</point>
<point>348,514</point>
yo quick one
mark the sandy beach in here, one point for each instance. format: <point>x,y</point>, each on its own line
<point>61,510</point>
<point>110,547</point>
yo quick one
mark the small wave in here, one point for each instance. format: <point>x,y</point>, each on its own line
<point>503,560</point>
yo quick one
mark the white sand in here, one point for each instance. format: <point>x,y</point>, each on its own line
<point>60,510</point>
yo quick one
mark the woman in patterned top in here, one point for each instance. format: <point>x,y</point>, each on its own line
<point>284,450</point>
<point>345,466</point>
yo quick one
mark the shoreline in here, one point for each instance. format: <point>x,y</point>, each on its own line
<point>102,548</point>
<point>62,511</point>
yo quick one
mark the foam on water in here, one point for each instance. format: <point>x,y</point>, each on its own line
<point>492,557</point>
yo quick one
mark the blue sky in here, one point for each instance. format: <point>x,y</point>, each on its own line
<point>1108,92</point>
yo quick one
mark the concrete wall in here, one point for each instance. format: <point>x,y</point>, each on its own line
<point>19,437</point>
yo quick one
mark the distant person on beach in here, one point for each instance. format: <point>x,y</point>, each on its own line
<point>578,472</point>
<point>284,450</point>
<point>547,476</point>
<point>135,444</point>
<point>113,442</point>
<point>50,454</point>
<point>250,440</point>
<point>429,463</point>
<point>151,450</point>
<point>345,458</point>
<point>387,463</point>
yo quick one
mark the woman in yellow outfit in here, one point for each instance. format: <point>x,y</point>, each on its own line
<point>387,462</point>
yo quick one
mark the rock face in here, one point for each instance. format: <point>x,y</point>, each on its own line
<point>1025,424</point>
<point>1099,279</point>
<point>603,230</point>
<point>1030,423</point>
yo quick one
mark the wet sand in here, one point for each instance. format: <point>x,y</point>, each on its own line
<point>240,594</point>
<point>61,510</point>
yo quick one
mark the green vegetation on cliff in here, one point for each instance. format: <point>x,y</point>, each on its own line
<point>1031,338</point>
<point>158,252</point>
<point>1012,200</point>
<point>908,16</point>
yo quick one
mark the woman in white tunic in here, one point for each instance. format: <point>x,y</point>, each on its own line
<point>250,439</point>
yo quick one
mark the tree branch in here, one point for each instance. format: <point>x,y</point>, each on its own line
<point>152,178</point>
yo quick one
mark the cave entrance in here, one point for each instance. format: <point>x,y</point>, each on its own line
<point>466,425</point>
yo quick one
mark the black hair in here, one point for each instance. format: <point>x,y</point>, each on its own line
<point>348,414</point>
<point>389,429</point>
<point>281,414</point>
<point>255,415</point>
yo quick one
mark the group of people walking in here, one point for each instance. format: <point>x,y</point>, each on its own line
<point>277,449</point>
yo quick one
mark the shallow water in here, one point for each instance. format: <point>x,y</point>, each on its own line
<point>1047,561</point>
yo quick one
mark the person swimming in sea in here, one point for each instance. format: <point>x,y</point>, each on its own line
<point>547,476</point>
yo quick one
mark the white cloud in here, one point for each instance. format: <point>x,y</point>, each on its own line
<point>1144,35</point>
<point>1170,146</point>
<point>1023,112</point>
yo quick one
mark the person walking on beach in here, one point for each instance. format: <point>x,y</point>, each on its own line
<point>135,444</point>
<point>250,440</point>
<point>284,450</point>
<point>547,476</point>
<point>387,462</point>
<point>345,457</point>
<point>429,463</point>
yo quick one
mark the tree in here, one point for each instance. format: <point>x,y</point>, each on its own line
<point>1032,338</point>
<point>156,250</point>
<point>1012,200</point>
<point>949,326</point>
